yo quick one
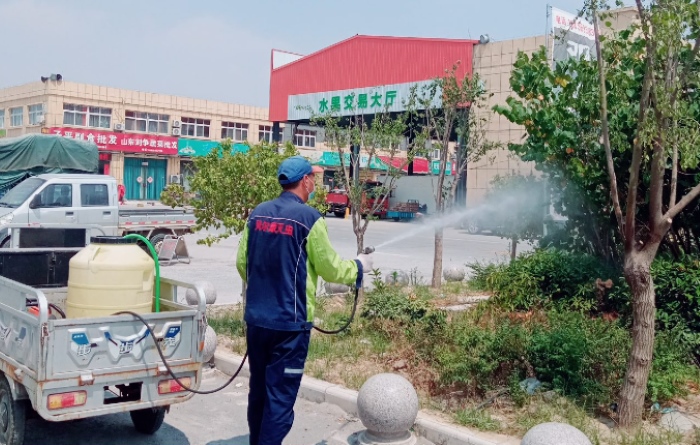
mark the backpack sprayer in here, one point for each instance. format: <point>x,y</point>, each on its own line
<point>367,250</point>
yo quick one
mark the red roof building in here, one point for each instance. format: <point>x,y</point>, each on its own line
<point>382,68</point>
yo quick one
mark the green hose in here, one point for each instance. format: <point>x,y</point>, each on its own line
<point>155,258</point>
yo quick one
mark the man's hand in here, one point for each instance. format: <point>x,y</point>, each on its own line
<point>367,262</point>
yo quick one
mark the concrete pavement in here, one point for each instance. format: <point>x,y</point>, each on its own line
<point>415,253</point>
<point>429,428</point>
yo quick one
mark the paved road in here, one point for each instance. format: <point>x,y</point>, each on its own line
<point>414,252</point>
<point>215,419</point>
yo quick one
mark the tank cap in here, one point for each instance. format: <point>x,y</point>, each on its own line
<point>112,240</point>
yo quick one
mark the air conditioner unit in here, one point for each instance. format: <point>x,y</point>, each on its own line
<point>176,124</point>
<point>176,132</point>
<point>176,179</point>
<point>118,126</point>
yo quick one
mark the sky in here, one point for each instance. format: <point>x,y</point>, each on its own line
<point>220,49</point>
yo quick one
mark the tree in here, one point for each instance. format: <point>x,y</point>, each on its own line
<point>448,110</point>
<point>228,186</point>
<point>380,135</point>
<point>620,130</point>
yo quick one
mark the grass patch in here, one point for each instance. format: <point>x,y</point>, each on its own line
<point>476,418</point>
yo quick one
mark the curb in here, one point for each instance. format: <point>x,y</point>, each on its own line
<point>318,391</point>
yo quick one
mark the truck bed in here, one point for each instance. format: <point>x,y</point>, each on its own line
<point>106,357</point>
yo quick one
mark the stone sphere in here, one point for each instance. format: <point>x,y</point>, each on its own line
<point>209,293</point>
<point>209,344</point>
<point>554,433</point>
<point>387,405</point>
<point>336,288</point>
<point>454,274</point>
<point>397,278</point>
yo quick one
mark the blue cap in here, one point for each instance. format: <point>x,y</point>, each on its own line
<point>294,169</point>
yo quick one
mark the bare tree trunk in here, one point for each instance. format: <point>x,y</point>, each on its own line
<point>513,248</point>
<point>437,266</point>
<point>638,275</point>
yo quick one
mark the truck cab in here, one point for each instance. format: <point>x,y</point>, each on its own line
<point>53,200</point>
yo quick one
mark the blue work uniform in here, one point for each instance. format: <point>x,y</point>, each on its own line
<point>283,250</point>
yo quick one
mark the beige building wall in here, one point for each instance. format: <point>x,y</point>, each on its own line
<point>493,62</point>
<point>54,94</point>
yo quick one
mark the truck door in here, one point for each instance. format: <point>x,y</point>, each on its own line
<point>55,206</point>
<point>96,209</point>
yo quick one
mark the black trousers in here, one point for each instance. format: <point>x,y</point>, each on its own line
<point>276,360</point>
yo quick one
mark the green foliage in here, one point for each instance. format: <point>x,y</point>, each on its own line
<point>229,186</point>
<point>673,367</point>
<point>543,278</point>
<point>677,284</point>
<point>391,303</point>
<point>478,419</point>
<point>174,195</point>
<point>230,324</point>
<point>559,107</point>
<point>578,356</point>
<point>319,200</point>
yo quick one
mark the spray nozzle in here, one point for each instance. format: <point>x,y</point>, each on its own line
<point>367,250</point>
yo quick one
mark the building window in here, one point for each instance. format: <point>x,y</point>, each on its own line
<point>305,138</point>
<point>36,114</point>
<point>235,131</point>
<point>147,122</point>
<point>16,117</point>
<point>195,127</point>
<point>99,117</point>
<point>265,133</point>
<point>2,119</point>
<point>75,115</point>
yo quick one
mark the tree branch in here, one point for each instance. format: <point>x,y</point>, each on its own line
<point>674,177</point>
<point>687,199</point>
<point>614,194</point>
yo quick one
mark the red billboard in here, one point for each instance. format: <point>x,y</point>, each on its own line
<point>125,142</point>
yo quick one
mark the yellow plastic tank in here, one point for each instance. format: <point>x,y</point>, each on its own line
<point>111,274</point>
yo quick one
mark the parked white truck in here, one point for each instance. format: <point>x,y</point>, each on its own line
<point>91,201</point>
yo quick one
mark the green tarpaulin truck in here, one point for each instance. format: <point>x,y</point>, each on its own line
<point>36,154</point>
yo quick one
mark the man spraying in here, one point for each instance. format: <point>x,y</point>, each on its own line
<point>283,250</point>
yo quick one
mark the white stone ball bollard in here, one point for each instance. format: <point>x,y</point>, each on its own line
<point>554,433</point>
<point>387,405</point>
<point>336,288</point>
<point>209,344</point>
<point>454,274</point>
<point>209,293</point>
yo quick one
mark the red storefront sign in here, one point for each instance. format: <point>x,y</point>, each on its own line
<point>126,142</point>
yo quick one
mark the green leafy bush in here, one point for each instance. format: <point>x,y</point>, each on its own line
<point>542,278</point>
<point>392,303</point>
<point>579,356</point>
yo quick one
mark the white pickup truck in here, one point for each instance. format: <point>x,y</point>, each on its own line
<point>90,201</point>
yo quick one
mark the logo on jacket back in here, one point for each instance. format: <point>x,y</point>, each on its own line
<point>276,228</point>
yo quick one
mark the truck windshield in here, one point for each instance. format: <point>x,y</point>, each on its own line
<point>15,197</point>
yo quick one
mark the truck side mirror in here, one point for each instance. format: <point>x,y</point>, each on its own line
<point>35,202</point>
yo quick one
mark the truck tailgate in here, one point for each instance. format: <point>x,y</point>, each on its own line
<point>79,347</point>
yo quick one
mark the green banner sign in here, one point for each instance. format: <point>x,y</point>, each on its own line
<point>195,147</point>
<point>332,159</point>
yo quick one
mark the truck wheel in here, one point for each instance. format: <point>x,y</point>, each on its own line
<point>157,241</point>
<point>149,420</point>
<point>339,214</point>
<point>13,414</point>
